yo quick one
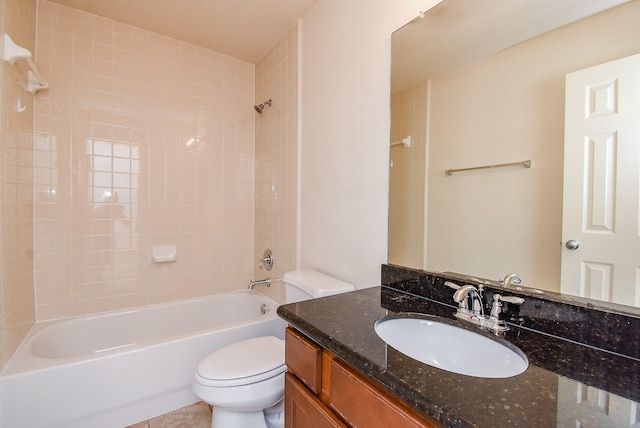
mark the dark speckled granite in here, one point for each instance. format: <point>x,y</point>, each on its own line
<point>560,374</point>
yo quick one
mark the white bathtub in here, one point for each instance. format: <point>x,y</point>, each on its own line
<point>118,368</point>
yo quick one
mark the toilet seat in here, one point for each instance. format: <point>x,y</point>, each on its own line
<point>242,363</point>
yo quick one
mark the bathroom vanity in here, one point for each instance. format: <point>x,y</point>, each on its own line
<point>584,362</point>
<point>321,391</point>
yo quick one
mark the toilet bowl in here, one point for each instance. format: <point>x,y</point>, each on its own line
<point>244,382</point>
<point>241,381</point>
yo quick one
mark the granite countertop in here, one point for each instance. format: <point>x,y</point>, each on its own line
<point>564,383</point>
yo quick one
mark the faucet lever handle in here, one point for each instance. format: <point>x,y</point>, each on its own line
<point>451,285</point>
<point>512,299</point>
<point>496,308</point>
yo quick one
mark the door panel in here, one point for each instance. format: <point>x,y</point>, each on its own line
<point>602,182</point>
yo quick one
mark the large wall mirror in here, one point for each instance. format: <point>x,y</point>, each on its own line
<point>479,83</point>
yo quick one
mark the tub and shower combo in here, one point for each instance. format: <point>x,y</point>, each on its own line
<point>118,368</point>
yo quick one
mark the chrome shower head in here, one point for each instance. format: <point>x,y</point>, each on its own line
<point>259,107</point>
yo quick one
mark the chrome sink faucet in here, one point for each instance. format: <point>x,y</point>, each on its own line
<point>512,278</point>
<point>472,312</point>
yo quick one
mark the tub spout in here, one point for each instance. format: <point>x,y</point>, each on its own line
<point>266,281</point>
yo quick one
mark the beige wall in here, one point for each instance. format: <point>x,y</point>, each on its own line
<point>276,161</point>
<point>17,312</point>
<point>407,182</point>
<point>512,107</point>
<point>346,63</point>
<point>142,140</point>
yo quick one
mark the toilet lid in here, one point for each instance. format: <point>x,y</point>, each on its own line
<point>243,362</point>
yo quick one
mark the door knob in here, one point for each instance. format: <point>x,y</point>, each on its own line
<point>572,244</point>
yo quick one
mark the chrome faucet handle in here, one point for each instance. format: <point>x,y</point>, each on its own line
<point>497,298</point>
<point>266,260</point>
<point>494,322</point>
<point>451,285</point>
<point>496,307</point>
<point>463,305</point>
<point>511,299</point>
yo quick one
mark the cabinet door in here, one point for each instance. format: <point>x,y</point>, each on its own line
<point>304,410</point>
<point>361,404</point>
<point>303,358</point>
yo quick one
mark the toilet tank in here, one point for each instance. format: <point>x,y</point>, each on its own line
<point>305,284</point>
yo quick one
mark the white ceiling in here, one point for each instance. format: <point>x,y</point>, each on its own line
<point>457,32</point>
<point>243,29</point>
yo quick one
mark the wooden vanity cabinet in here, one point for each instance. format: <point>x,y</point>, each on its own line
<point>323,391</point>
<point>304,409</point>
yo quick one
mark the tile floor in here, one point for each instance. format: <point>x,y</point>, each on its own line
<point>197,415</point>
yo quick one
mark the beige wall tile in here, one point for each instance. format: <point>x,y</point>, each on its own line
<point>17,312</point>
<point>276,161</point>
<point>143,140</point>
<point>406,177</point>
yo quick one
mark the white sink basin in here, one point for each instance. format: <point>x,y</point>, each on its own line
<point>451,348</point>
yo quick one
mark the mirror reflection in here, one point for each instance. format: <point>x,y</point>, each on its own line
<point>484,83</point>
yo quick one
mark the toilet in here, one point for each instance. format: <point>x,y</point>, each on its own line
<point>244,382</point>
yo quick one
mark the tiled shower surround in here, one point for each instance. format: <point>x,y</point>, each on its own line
<point>276,161</point>
<point>17,18</point>
<point>142,140</point>
<point>406,177</point>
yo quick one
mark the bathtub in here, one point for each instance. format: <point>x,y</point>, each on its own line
<point>118,368</point>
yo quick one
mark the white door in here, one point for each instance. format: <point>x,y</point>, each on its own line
<point>601,183</point>
<point>580,405</point>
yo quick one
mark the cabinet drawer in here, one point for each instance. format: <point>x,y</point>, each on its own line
<point>304,410</point>
<point>304,359</point>
<point>362,404</point>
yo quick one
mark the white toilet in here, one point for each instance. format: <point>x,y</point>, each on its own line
<point>244,382</point>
